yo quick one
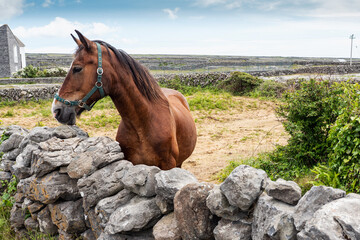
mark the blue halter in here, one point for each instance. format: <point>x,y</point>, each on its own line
<point>98,86</point>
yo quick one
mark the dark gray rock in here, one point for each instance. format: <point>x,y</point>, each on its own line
<point>194,219</point>
<point>17,216</point>
<point>285,191</point>
<point>88,235</point>
<point>45,223</point>
<point>103,183</point>
<point>140,179</point>
<point>51,187</point>
<point>107,206</point>
<point>232,230</point>
<point>139,214</point>
<point>31,224</point>
<point>243,186</point>
<point>338,219</point>
<point>219,205</point>
<point>68,216</point>
<point>4,176</point>
<point>171,181</point>
<point>166,228</point>
<point>312,201</point>
<point>273,220</point>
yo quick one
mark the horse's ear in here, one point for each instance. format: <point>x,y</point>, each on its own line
<point>84,41</point>
<point>76,40</point>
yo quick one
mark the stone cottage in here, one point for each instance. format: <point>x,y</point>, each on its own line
<point>12,52</point>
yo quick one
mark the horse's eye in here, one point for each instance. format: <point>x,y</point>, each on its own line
<point>77,69</point>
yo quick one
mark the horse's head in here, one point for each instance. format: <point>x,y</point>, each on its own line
<point>83,85</point>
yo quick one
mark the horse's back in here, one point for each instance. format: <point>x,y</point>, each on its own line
<point>185,125</point>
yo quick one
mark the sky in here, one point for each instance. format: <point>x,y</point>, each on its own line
<point>299,28</point>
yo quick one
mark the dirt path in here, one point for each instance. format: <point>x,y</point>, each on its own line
<point>245,130</point>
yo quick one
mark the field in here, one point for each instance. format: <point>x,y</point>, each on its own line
<point>236,128</point>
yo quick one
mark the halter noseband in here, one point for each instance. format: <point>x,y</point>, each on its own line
<point>98,86</point>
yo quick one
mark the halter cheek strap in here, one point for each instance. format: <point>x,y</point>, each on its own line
<point>98,87</point>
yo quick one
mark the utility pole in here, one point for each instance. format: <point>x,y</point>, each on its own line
<point>352,37</point>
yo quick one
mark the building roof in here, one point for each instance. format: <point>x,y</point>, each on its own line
<point>21,44</point>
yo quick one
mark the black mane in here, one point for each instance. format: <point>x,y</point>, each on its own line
<point>143,80</point>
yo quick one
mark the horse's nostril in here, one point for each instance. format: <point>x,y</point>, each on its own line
<point>57,113</point>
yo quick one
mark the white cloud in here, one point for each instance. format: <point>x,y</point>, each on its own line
<point>207,3</point>
<point>47,3</point>
<point>172,13</point>
<point>61,27</point>
<point>9,9</point>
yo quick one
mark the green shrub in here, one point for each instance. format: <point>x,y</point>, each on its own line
<point>240,83</point>
<point>269,89</point>
<point>343,168</point>
<point>308,114</point>
<point>34,72</point>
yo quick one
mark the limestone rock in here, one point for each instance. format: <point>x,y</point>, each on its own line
<point>165,205</point>
<point>232,230</point>
<point>5,176</point>
<point>338,219</point>
<point>11,155</point>
<point>88,162</point>
<point>68,216</point>
<point>139,214</point>
<point>219,205</point>
<point>6,165</point>
<point>312,201</point>
<point>45,223</point>
<point>108,205</point>
<point>51,187</point>
<point>273,220</point>
<point>194,219</point>
<point>12,142</point>
<point>166,228</point>
<point>243,186</point>
<point>15,129</point>
<point>66,131</point>
<point>103,183</point>
<point>21,169</point>
<point>142,235</point>
<point>140,179</point>
<point>285,191</point>
<point>40,134</point>
<point>171,181</point>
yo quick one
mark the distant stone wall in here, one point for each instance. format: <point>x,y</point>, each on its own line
<point>28,92</point>
<point>327,70</point>
<point>73,185</point>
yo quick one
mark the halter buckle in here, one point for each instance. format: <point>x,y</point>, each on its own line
<point>98,84</point>
<point>100,71</point>
<point>81,104</point>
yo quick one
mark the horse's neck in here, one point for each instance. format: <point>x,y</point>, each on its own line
<point>135,109</point>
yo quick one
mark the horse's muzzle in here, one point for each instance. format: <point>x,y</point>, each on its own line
<point>64,114</point>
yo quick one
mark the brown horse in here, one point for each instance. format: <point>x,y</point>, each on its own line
<point>156,125</point>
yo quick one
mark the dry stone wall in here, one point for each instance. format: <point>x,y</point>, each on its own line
<point>72,185</point>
